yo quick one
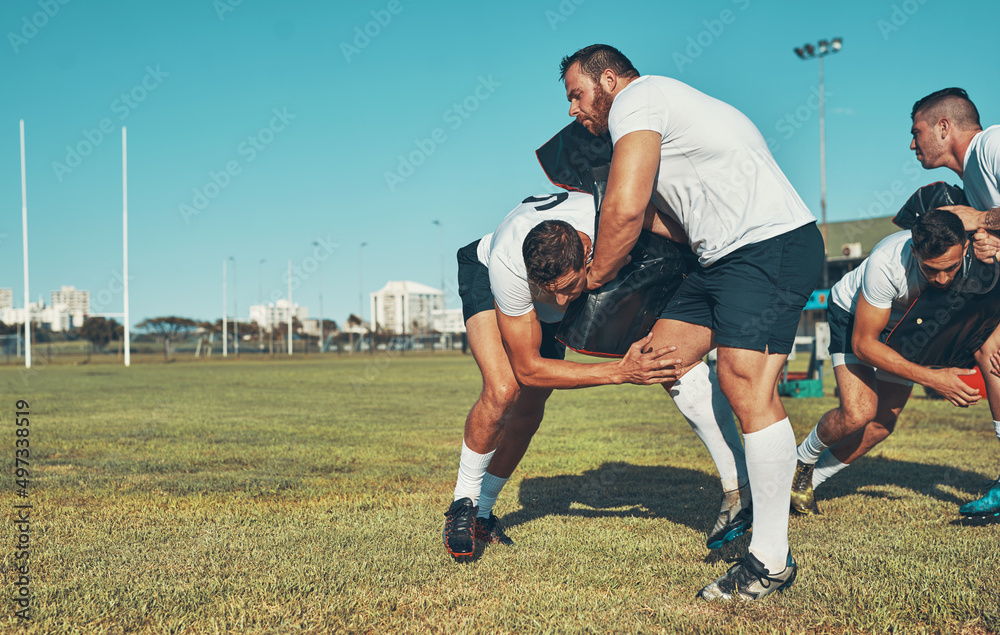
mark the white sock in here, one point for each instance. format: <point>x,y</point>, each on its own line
<point>771,464</point>
<point>470,473</point>
<point>826,466</point>
<point>699,398</point>
<point>811,448</point>
<point>996,426</point>
<point>488,497</point>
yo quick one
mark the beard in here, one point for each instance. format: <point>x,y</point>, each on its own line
<point>602,109</point>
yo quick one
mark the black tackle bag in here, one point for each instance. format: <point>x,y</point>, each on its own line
<point>606,321</point>
<point>946,327</point>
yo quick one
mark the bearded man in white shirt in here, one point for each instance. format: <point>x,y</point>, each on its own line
<point>704,164</point>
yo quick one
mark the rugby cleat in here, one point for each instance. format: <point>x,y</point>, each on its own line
<point>803,498</point>
<point>489,531</point>
<point>458,534</point>
<point>748,579</point>
<point>985,507</point>
<point>734,519</point>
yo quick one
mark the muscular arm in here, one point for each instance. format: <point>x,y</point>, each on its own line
<point>869,322</point>
<point>630,185</point>
<point>973,219</point>
<point>522,337</point>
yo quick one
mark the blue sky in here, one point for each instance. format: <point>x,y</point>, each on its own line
<point>257,128</point>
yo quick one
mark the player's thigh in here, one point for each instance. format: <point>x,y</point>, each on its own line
<point>859,394</point>
<point>892,397</point>
<point>489,353</point>
<point>693,341</point>
<point>749,370</point>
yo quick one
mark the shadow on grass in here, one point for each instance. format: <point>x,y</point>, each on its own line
<point>621,490</point>
<point>921,478</point>
<point>691,498</point>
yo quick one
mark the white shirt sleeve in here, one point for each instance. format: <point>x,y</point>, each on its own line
<point>990,155</point>
<point>639,107</point>
<point>511,292</point>
<point>880,285</point>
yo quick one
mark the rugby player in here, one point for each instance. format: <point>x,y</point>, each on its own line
<point>515,284</point>
<point>707,166</point>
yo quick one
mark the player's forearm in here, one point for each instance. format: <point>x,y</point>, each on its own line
<point>885,358</point>
<point>560,374</point>
<point>991,219</point>
<point>619,229</point>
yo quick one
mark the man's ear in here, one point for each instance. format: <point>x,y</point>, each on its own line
<point>944,126</point>
<point>609,80</point>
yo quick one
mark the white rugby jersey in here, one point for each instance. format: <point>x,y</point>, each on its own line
<point>717,176</point>
<point>889,278</point>
<point>501,251</point>
<point>981,170</point>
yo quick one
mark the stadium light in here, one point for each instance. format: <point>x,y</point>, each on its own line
<point>128,345</point>
<point>361,282</point>
<point>316,244</point>
<point>24,233</point>
<point>260,294</point>
<point>225,309</point>
<point>809,52</point>
<point>236,311</point>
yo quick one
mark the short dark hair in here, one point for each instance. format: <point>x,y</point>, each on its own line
<point>936,231</point>
<point>551,250</point>
<point>951,102</point>
<point>594,59</point>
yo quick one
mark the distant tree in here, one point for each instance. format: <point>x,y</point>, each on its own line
<point>100,331</point>
<point>167,328</point>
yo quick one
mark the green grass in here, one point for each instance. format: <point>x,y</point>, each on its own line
<point>307,496</point>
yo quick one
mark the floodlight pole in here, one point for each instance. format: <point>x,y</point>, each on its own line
<point>225,308</point>
<point>260,287</point>
<point>236,311</point>
<point>128,346</point>
<point>441,242</point>
<point>316,244</point>
<point>809,52</point>
<point>24,232</point>
<point>290,307</point>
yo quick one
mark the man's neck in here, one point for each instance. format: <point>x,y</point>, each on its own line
<point>961,147</point>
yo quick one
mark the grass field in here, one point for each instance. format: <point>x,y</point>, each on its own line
<point>308,496</point>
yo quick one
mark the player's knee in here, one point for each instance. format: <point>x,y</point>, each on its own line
<point>501,396</point>
<point>857,416</point>
<point>880,430</point>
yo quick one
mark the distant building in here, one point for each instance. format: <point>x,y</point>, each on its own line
<point>405,307</point>
<point>271,315</point>
<point>74,303</point>
<point>6,298</point>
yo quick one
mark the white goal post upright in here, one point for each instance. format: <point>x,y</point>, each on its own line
<point>24,232</point>
<point>128,359</point>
